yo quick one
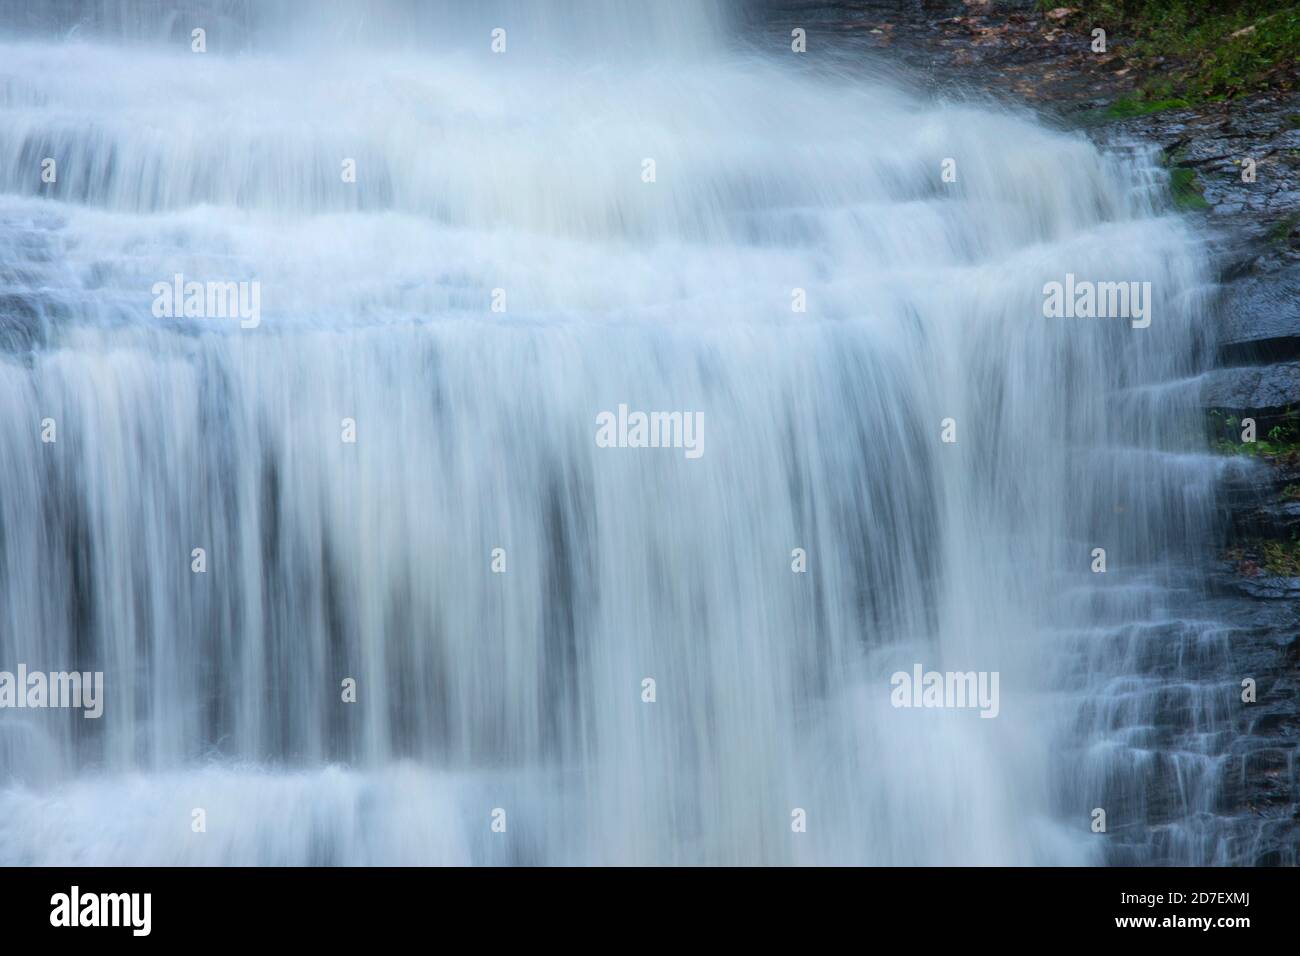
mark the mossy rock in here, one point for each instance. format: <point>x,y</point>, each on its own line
<point>1188,193</point>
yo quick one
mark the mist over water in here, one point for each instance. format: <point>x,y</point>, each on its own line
<point>475,430</point>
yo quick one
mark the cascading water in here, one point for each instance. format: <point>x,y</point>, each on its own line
<point>513,680</point>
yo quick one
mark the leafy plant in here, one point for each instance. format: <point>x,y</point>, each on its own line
<point>1198,50</point>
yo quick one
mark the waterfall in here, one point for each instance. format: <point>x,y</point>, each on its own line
<point>494,585</point>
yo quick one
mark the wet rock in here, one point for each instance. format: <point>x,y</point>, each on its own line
<point>1253,388</point>
<point>1258,318</point>
<point>1272,519</point>
<point>1266,587</point>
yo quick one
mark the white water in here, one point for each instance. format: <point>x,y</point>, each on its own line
<point>476,430</point>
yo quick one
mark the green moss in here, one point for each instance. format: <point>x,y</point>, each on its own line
<point>1257,449</point>
<point>1176,156</point>
<point>1282,441</point>
<point>1187,190</point>
<point>1191,51</point>
<point>1281,231</point>
<point>1280,558</point>
<point>1129,106</point>
<point>1260,556</point>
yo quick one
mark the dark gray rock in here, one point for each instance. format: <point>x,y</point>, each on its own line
<point>1258,318</point>
<point>1268,587</point>
<point>1257,388</point>
<point>1215,140</point>
<point>1271,519</point>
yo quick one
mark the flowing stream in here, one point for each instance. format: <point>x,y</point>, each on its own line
<point>498,275</point>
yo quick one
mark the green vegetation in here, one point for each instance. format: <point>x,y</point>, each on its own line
<point>1187,190</point>
<point>1281,231</point>
<point>1280,441</point>
<point>1192,51</point>
<point>1129,106</point>
<point>1280,558</point>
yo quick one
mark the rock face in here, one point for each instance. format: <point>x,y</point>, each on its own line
<point>1255,389</point>
<point>1243,154</point>
<point>1259,318</point>
<point>1254,228</point>
<point>1238,166</point>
